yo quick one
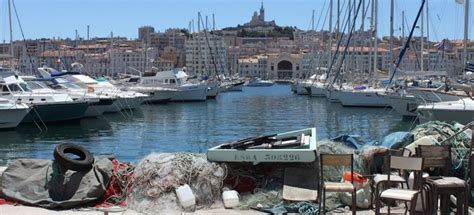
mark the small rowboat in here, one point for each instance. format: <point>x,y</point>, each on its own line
<point>294,146</point>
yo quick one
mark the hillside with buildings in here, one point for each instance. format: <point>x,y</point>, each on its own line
<point>258,48</point>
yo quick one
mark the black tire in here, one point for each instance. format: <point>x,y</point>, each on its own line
<point>84,163</point>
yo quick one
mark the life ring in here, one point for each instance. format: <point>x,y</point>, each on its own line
<point>84,162</point>
<point>357,177</point>
<point>90,89</point>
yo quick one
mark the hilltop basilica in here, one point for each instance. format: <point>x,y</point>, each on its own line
<point>258,20</point>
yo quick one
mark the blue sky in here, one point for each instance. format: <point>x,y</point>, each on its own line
<point>60,18</point>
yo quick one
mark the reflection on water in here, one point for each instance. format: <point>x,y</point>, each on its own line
<point>197,126</point>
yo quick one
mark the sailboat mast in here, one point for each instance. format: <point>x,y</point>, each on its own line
<point>330,32</point>
<point>11,34</point>
<point>422,42</point>
<point>391,37</point>
<point>338,16</point>
<point>466,29</point>
<point>376,39</point>
<point>428,36</point>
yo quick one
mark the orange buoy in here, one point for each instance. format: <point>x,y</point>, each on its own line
<point>357,177</point>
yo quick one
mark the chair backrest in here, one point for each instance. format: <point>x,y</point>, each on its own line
<point>436,157</point>
<point>406,163</point>
<point>336,159</point>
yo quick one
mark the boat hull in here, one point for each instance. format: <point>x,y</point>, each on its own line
<point>362,99</point>
<point>403,105</point>
<point>332,95</point>
<point>316,91</point>
<point>190,94</point>
<point>461,116</point>
<point>301,89</point>
<point>212,90</point>
<point>305,153</point>
<point>98,108</point>
<point>115,107</point>
<point>56,112</point>
<point>12,117</point>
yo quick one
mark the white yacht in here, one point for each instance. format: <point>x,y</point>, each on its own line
<point>123,100</point>
<point>12,113</point>
<point>97,105</point>
<point>155,94</point>
<point>461,111</point>
<point>176,79</point>
<point>48,106</point>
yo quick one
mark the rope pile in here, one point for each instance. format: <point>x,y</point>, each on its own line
<point>157,176</point>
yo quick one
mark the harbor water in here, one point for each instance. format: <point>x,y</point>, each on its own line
<point>195,127</point>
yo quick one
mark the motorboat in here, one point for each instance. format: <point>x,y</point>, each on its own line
<point>176,79</point>
<point>461,111</point>
<point>12,113</point>
<point>292,146</point>
<point>97,104</point>
<point>48,105</point>
<point>260,83</point>
<point>155,94</point>
<point>122,100</point>
<point>126,99</point>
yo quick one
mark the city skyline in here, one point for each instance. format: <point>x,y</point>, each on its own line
<point>124,17</point>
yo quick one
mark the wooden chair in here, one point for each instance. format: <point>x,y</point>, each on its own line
<point>399,194</point>
<point>334,160</point>
<point>381,179</point>
<point>437,160</point>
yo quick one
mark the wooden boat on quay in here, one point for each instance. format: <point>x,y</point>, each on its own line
<point>293,146</point>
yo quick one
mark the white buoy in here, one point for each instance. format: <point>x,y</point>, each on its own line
<point>230,198</point>
<point>185,196</point>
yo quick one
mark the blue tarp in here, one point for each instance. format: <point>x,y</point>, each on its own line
<point>396,140</point>
<point>353,141</point>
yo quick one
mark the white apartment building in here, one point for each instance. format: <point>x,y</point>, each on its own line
<point>201,55</point>
<point>123,59</point>
<point>253,67</point>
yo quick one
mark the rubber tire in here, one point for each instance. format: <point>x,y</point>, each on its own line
<point>83,164</point>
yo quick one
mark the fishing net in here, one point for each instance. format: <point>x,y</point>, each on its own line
<point>157,176</point>
<point>332,147</point>
<point>459,144</point>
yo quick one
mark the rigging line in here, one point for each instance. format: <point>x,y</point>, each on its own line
<point>320,54</point>
<point>336,54</point>
<point>351,31</point>
<point>320,14</point>
<point>210,49</point>
<point>22,33</point>
<point>402,52</point>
